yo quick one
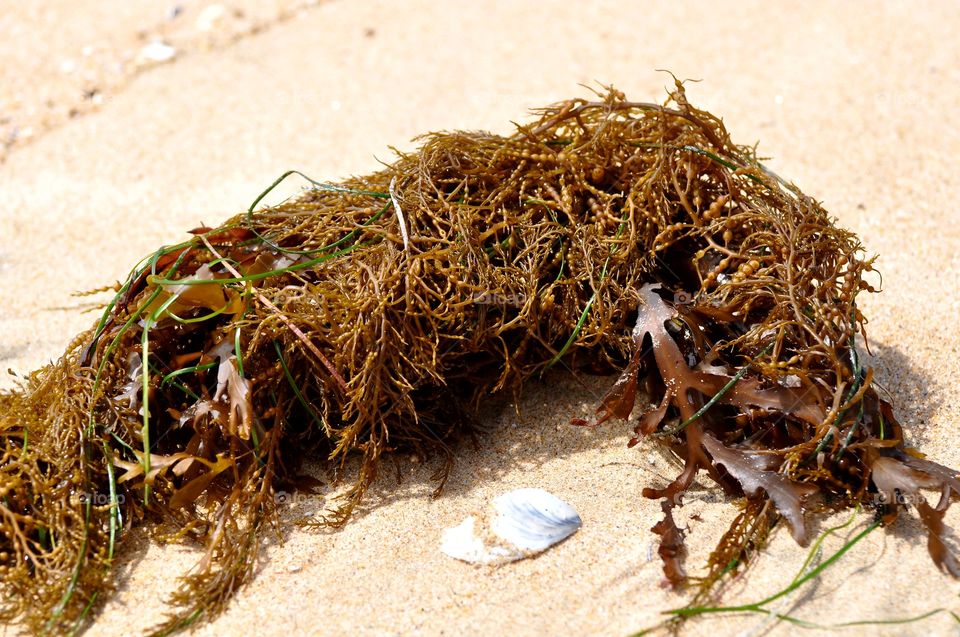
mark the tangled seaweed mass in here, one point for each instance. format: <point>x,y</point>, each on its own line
<point>372,316</point>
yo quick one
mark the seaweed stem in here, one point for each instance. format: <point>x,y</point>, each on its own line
<point>713,400</point>
<point>286,321</point>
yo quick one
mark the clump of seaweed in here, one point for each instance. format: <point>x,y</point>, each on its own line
<point>374,315</point>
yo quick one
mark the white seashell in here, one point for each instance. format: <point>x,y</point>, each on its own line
<point>461,542</point>
<point>534,519</point>
<point>210,17</point>
<point>157,51</point>
<point>525,522</point>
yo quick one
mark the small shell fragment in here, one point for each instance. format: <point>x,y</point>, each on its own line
<point>523,523</point>
<point>157,51</point>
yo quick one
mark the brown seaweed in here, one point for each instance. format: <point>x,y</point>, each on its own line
<point>372,316</point>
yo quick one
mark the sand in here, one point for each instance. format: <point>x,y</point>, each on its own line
<point>856,104</point>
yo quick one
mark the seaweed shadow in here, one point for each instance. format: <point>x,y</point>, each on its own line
<point>527,431</point>
<point>916,394</point>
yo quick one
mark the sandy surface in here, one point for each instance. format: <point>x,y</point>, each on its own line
<point>857,105</point>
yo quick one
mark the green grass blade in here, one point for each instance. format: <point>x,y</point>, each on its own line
<point>296,389</point>
<point>713,399</point>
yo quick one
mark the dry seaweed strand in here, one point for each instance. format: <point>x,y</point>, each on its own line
<point>374,315</point>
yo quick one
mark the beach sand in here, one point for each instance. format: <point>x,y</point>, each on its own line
<point>855,104</point>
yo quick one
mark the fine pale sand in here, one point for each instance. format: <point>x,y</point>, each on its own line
<point>857,105</point>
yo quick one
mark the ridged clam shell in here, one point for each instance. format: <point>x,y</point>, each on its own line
<point>524,522</point>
